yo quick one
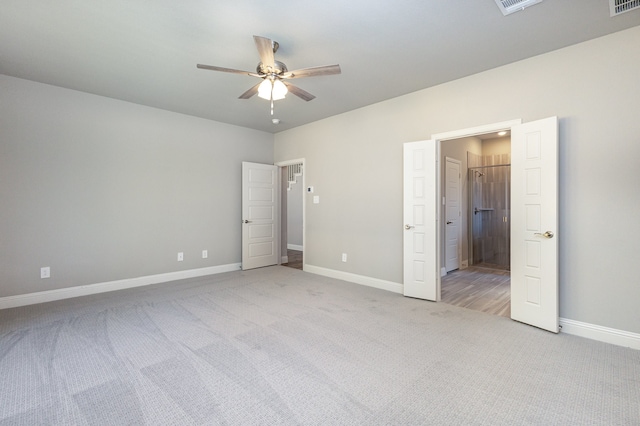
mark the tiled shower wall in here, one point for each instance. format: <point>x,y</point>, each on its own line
<point>490,195</point>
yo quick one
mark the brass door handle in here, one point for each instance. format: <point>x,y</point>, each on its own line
<point>547,234</point>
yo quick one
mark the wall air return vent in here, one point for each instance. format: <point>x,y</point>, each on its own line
<point>617,7</point>
<point>507,7</point>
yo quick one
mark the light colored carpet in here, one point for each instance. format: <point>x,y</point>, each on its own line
<point>281,346</point>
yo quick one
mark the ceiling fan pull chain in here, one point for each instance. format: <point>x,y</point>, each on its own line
<point>271,105</point>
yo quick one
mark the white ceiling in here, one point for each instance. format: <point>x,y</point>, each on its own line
<point>146,51</point>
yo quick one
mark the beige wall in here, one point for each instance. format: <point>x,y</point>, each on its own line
<point>496,146</point>
<point>354,160</point>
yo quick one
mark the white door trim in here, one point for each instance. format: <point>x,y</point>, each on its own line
<point>286,163</point>
<point>475,131</point>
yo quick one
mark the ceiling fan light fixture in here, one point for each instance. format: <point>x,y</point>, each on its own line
<point>272,89</point>
<point>264,90</point>
<point>279,90</point>
<point>272,72</point>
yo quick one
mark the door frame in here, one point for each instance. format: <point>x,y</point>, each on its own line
<point>286,163</point>
<point>457,134</point>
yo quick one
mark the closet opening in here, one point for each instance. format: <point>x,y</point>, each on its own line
<point>292,216</point>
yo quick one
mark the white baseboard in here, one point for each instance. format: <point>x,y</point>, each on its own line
<point>600,333</point>
<point>354,278</point>
<point>443,272</point>
<point>85,290</point>
<point>284,259</point>
<point>294,247</point>
<point>577,328</point>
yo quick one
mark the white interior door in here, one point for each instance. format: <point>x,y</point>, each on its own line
<point>260,215</point>
<point>534,223</point>
<point>421,230</point>
<point>452,214</point>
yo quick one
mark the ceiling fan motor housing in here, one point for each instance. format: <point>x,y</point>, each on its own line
<point>278,68</point>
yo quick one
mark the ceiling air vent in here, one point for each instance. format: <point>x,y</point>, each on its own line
<point>507,7</point>
<point>621,6</point>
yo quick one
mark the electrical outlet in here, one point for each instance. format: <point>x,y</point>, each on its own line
<point>45,272</point>
<point>205,254</point>
<point>180,257</point>
<point>344,257</point>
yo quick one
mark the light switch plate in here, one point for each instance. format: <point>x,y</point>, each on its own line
<point>316,199</point>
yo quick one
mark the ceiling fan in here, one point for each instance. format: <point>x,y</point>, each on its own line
<point>274,73</point>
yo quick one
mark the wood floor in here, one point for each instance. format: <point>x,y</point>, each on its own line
<point>295,259</point>
<point>477,288</point>
<point>481,289</point>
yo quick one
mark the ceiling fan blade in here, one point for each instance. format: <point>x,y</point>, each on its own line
<point>249,93</point>
<point>231,70</point>
<point>302,94</point>
<point>313,72</point>
<point>265,49</point>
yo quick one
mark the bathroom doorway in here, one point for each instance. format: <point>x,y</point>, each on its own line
<point>482,282</point>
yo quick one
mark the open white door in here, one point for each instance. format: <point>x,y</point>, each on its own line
<point>260,215</point>
<point>420,251</point>
<point>534,226</point>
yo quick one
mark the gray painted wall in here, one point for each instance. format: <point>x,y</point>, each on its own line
<point>592,87</point>
<point>101,190</point>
